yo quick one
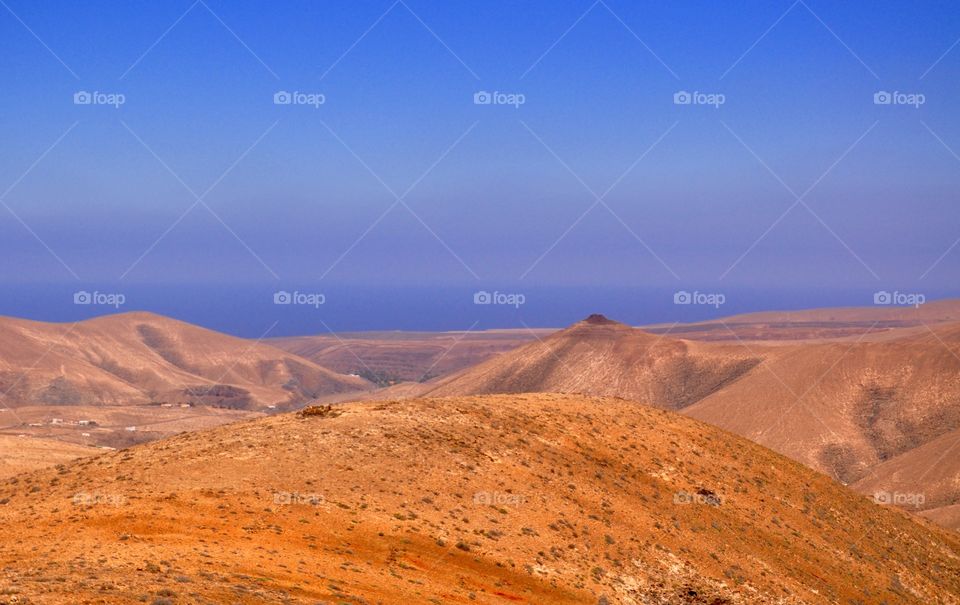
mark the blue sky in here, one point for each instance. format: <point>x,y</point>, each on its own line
<point>498,195</point>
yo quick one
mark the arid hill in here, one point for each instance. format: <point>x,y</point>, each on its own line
<point>598,356</point>
<point>808,324</point>
<point>138,358</point>
<point>947,516</point>
<point>878,406</point>
<point>389,357</point>
<point>21,454</point>
<point>925,478</point>
<point>845,407</point>
<point>500,499</point>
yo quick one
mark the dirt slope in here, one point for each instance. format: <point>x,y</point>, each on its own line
<point>22,454</point>
<point>947,516</point>
<point>925,477</point>
<point>500,499</point>
<point>835,322</point>
<point>134,358</point>
<point>390,357</point>
<point>844,407</point>
<point>598,356</point>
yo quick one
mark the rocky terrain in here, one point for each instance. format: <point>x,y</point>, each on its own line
<point>498,499</point>
<point>880,411</point>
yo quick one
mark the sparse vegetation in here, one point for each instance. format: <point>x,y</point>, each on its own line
<point>482,499</point>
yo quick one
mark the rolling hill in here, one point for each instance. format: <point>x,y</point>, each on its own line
<point>499,499</point>
<point>390,357</point>
<point>810,324</point>
<point>141,358</point>
<point>20,454</point>
<point>845,407</point>
<point>853,408</point>
<point>598,356</point>
<point>926,478</point>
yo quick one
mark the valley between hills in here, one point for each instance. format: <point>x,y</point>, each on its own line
<point>800,457</point>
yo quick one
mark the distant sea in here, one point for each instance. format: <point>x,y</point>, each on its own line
<point>251,311</point>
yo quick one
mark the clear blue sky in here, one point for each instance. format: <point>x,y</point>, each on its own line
<point>498,192</point>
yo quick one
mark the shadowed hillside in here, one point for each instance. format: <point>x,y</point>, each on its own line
<point>138,358</point>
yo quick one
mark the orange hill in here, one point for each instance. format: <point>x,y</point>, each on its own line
<point>850,407</point>
<point>536,499</point>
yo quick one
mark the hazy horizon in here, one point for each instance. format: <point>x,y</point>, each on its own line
<point>801,147</point>
<point>250,311</point>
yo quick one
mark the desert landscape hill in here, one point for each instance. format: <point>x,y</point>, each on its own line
<point>535,498</point>
<point>930,472</point>
<point>845,406</point>
<point>141,358</point>
<point>877,410</point>
<point>19,455</point>
<point>598,356</point>
<point>821,323</point>
<point>391,357</point>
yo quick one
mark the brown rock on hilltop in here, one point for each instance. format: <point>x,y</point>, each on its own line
<point>599,319</point>
<point>559,499</point>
